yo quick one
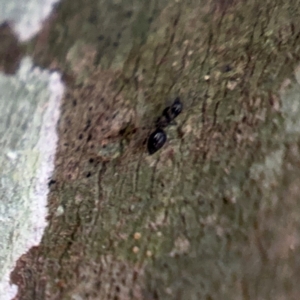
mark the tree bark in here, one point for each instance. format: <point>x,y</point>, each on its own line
<point>214,214</point>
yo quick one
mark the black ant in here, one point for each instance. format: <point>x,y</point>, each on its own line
<point>158,138</point>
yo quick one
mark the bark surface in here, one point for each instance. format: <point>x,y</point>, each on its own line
<point>215,213</point>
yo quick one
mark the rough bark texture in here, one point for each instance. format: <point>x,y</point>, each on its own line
<point>214,214</point>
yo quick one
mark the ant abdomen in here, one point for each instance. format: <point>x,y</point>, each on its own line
<point>156,140</point>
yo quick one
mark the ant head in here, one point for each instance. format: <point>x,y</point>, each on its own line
<point>176,107</point>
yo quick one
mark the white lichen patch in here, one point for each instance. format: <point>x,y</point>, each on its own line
<point>29,109</point>
<point>290,98</point>
<point>26,16</point>
<point>268,172</point>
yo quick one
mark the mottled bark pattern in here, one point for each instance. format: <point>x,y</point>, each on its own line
<point>196,220</point>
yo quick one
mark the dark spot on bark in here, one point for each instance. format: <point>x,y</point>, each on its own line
<point>51,182</point>
<point>119,35</point>
<point>150,20</point>
<point>100,37</point>
<point>93,18</point>
<point>74,102</point>
<point>155,295</point>
<point>80,136</point>
<point>115,44</point>
<point>128,14</point>
<point>88,175</point>
<point>91,160</point>
<point>227,68</point>
<point>122,131</point>
<point>89,138</point>
<point>88,124</point>
<point>10,51</point>
<point>98,284</point>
